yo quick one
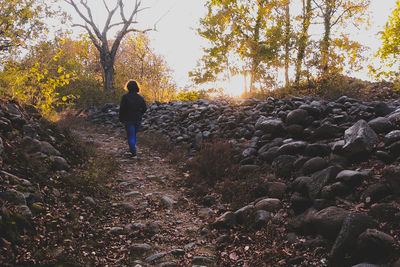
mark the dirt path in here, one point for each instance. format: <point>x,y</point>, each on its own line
<point>149,221</point>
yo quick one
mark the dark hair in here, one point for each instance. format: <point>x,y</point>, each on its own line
<point>132,86</point>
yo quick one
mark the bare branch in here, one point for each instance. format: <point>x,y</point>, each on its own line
<point>108,21</point>
<point>87,20</point>
<point>105,4</point>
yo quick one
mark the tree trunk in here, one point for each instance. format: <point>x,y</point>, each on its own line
<point>303,39</point>
<point>325,43</point>
<point>107,62</point>
<point>287,42</point>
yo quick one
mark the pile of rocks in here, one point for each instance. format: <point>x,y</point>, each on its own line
<point>335,164</point>
<point>24,147</point>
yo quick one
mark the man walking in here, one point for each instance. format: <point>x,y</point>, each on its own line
<point>131,111</point>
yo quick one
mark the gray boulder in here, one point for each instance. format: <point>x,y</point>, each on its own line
<point>381,125</point>
<point>283,165</point>
<point>269,125</point>
<point>375,246</point>
<point>313,165</point>
<point>297,116</point>
<point>392,137</point>
<point>262,217</point>
<point>328,222</point>
<point>392,176</point>
<point>353,225</point>
<point>349,177</point>
<point>359,139</point>
<point>268,204</point>
<point>320,179</point>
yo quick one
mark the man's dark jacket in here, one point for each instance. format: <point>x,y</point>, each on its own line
<point>132,107</point>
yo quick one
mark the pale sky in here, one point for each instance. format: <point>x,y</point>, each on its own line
<point>176,38</point>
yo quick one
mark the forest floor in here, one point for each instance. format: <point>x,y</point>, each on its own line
<point>148,217</point>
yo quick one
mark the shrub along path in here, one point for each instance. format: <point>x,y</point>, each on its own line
<point>148,219</point>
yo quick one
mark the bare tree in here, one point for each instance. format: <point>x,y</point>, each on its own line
<point>107,49</point>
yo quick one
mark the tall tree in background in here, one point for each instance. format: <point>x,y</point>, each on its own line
<point>242,31</point>
<point>389,52</point>
<point>20,21</point>
<point>338,13</point>
<point>106,48</point>
<point>136,59</point>
<point>303,38</point>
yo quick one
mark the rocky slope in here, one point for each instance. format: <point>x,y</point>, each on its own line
<point>335,183</point>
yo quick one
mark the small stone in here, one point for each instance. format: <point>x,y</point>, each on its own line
<point>90,201</point>
<point>177,252</point>
<point>202,260</point>
<point>24,211</point>
<point>128,207</point>
<point>155,257</point>
<point>168,202</point>
<point>268,204</point>
<point>117,230</point>
<point>140,248</point>
<point>133,194</point>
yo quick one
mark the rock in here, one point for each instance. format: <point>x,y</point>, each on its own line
<point>248,169</point>
<point>155,257</point>
<point>177,252</point>
<point>314,165</point>
<point>325,131</point>
<point>299,203</point>
<point>153,228</point>
<point>202,260</point>
<point>365,264</point>
<point>317,150</point>
<point>226,220</point>
<point>168,202</point>
<point>24,211</point>
<point>392,137</point>
<point>140,248</point>
<point>132,194</point>
<point>349,177</point>
<point>117,230</point>
<point>244,214</point>
<point>205,212</point>
<point>1,150</point>
<point>270,154</point>
<point>292,148</point>
<point>13,196</point>
<point>31,145</point>
<point>90,201</point>
<point>269,125</point>
<point>320,179</point>
<point>261,219</point>
<point>392,175</point>
<point>276,189</point>
<point>381,125</point>
<point>353,225</point>
<point>297,116</point>
<point>359,139</point>
<point>283,165</point>
<point>167,264</point>
<point>375,246</point>
<point>385,211</point>
<point>336,189</point>
<point>209,200</point>
<point>48,149</point>
<point>328,222</point>
<point>268,204</point>
<point>374,193</point>
<point>59,163</point>
<point>128,207</point>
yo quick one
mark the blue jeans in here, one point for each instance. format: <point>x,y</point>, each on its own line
<point>132,128</point>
